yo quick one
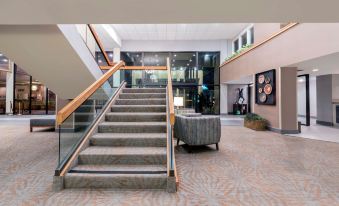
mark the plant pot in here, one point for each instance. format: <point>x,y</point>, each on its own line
<point>257,125</point>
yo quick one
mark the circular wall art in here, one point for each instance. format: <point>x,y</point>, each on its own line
<point>267,80</point>
<point>268,89</point>
<point>262,97</point>
<point>261,79</point>
<point>260,90</point>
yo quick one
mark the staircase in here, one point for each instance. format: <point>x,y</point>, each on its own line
<point>129,149</point>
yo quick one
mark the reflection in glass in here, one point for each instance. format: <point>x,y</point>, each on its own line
<point>155,58</point>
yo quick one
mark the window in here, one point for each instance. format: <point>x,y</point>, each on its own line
<point>236,45</point>
<point>252,35</point>
<point>244,39</point>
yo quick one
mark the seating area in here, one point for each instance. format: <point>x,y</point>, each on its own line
<point>195,129</point>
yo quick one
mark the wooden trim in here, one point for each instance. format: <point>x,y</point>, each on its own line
<point>89,134</point>
<point>81,98</point>
<point>137,67</point>
<point>283,30</point>
<point>170,93</point>
<point>101,47</point>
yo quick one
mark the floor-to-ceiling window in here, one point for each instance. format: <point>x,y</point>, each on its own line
<point>4,66</point>
<point>195,76</point>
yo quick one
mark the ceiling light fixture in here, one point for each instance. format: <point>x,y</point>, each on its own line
<point>1,55</point>
<point>315,70</point>
<point>5,60</point>
<point>194,55</point>
<point>175,55</point>
<point>190,60</point>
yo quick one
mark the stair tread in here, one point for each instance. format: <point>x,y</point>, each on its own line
<point>129,135</point>
<point>133,123</point>
<point>107,150</point>
<point>116,168</point>
<point>136,113</point>
<point>155,105</point>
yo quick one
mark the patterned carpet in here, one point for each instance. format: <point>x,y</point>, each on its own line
<point>251,168</point>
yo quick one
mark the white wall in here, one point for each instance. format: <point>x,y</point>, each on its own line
<point>177,45</point>
<point>232,95</point>
<point>335,87</point>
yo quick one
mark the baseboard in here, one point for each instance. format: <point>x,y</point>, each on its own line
<point>283,131</point>
<point>324,123</point>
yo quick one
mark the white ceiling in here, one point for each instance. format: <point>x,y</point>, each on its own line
<point>166,11</point>
<point>178,31</point>
<point>328,64</point>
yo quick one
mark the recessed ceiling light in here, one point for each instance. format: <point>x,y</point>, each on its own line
<point>301,80</point>
<point>5,60</point>
<point>173,60</point>
<point>190,60</point>
<point>188,64</point>
<point>175,55</point>
<point>194,55</point>
<point>111,55</point>
<point>99,61</point>
<point>1,55</point>
<point>315,70</point>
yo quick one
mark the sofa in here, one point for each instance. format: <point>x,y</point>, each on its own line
<point>196,129</point>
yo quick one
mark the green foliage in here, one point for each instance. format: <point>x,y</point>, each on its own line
<point>254,117</point>
<point>245,47</point>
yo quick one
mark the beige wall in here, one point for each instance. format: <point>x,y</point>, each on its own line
<point>264,30</point>
<point>300,43</point>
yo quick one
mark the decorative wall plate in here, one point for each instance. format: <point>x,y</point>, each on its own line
<point>260,90</point>
<point>267,80</point>
<point>261,79</point>
<point>262,97</point>
<point>268,89</point>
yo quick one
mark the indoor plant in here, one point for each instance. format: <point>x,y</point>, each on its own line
<point>255,122</point>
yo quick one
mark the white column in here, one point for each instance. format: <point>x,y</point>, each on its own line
<point>116,58</point>
<point>223,99</point>
<point>9,88</point>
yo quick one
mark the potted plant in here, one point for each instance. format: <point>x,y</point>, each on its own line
<point>255,122</point>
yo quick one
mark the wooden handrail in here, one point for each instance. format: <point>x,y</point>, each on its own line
<point>170,93</point>
<point>137,67</point>
<point>81,98</point>
<point>101,47</point>
<point>283,30</point>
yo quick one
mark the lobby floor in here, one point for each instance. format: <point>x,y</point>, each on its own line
<point>318,132</point>
<point>251,168</point>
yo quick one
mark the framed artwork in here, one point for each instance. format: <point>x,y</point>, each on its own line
<point>265,92</point>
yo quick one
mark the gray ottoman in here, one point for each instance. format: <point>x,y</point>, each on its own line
<point>42,123</point>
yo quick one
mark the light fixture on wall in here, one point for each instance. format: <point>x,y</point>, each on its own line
<point>178,102</point>
<point>34,87</point>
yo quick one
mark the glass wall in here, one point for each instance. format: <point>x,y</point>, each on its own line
<point>195,76</point>
<point>4,66</point>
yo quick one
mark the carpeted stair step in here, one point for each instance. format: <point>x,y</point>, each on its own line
<point>144,90</point>
<point>123,155</point>
<point>132,127</point>
<point>141,95</point>
<point>140,101</point>
<point>116,181</point>
<point>138,108</point>
<point>135,117</point>
<point>116,169</point>
<point>129,139</point>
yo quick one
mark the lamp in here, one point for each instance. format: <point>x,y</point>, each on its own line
<point>178,101</point>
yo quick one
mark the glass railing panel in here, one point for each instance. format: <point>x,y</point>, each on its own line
<point>145,78</point>
<point>76,126</point>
